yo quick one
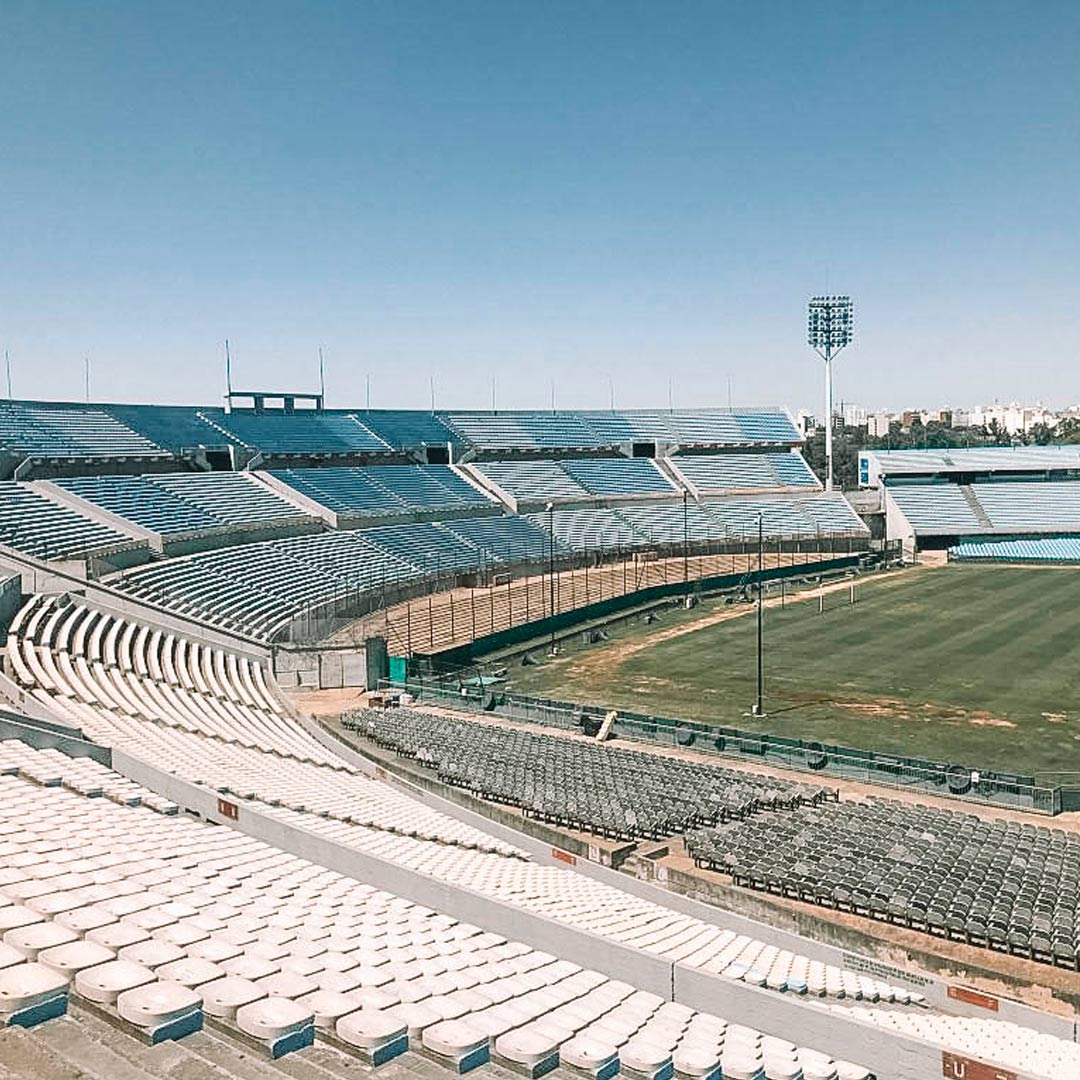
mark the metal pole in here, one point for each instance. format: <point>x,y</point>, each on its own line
<point>828,420</point>
<point>551,569</point>
<point>685,540</point>
<point>759,708</point>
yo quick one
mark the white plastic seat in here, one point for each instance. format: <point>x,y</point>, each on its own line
<point>223,997</point>
<point>83,920</point>
<point>644,1056</point>
<point>588,1053</point>
<point>106,982</point>
<point>527,1047</point>
<point>285,984</point>
<point>328,1007</point>
<point>417,1017</point>
<point>73,957</point>
<point>817,1068</point>
<point>739,1062</point>
<point>340,982</point>
<point>371,1029</point>
<point>13,916</point>
<point>117,935</point>
<point>272,1018</point>
<point>453,1039</point>
<point>152,954</point>
<point>251,967</point>
<point>24,985</point>
<point>191,971</point>
<point>33,939</point>
<point>157,1003</point>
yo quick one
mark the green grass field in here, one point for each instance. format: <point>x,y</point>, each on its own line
<point>960,663</point>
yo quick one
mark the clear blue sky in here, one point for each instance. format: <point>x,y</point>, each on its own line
<point>536,191</point>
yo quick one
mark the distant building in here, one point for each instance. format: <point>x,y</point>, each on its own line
<point>805,422</point>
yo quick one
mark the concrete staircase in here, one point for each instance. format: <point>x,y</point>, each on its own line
<point>976,506</point>
<point>80,1046</point>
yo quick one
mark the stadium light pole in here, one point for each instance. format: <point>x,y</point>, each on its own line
<point>829,328</point>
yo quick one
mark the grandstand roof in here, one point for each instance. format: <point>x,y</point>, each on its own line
<point>886,463</point>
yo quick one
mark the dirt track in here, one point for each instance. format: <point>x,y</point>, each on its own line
<point>614,654</point>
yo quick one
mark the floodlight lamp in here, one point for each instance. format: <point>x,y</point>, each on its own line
<point>829,323</point>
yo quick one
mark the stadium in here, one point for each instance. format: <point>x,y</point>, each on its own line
<point>348,740</point>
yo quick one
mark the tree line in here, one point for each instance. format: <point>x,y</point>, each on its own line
<point>848,441</point>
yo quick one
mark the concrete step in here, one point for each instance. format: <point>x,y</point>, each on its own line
<point>210,1055</point>
<point>237,1061</point>
<point>166,1061</point>
<point>28,1055</point>
<point>69,1037</point>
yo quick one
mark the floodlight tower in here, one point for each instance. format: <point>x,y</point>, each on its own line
<point>829,327</point>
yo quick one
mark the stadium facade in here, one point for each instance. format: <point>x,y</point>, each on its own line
<point>186,858</point>
<point>1019,504</point>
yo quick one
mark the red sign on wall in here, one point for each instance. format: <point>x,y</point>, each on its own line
<point>228,809</point>
<point>973,997</point>
<point>955,1067</point>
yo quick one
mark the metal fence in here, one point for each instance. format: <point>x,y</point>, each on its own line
<point>942,779</point>
<point>453,611</point>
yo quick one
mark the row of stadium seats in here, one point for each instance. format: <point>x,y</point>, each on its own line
<point>268,761</point>
<point>37,521</point>
<point>68,430</point>
<point>598,430</point>
<point>76,431</point>
<point>37,526</point>
<point>211,746</point>
<point>991,884</point>
<point>182,503</point>
<point>84,776</point>
<point>976,459</point>
<point>619,793</point>
<point>990,506</point>
<point>258,588</point>
<point>379,490</point>
<point>209,711</point>
<point>532,481</point>
<point>941,508</point>
<point>576,478</point>
<point>719,474</point>
<point>163,921</point>
<point>995,884</point>
<point>713,520</point>
<point>1035,506</point>
<point>1052,549</point>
